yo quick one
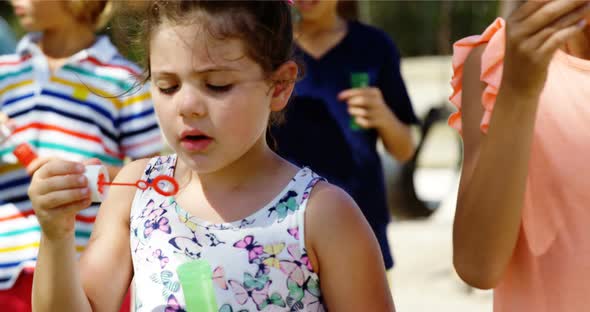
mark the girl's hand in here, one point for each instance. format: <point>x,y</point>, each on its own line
<point>92,161</point>
<point>533,34</point>
<point>58,191</point>
<point>38,163</point>
<point>367,107</point>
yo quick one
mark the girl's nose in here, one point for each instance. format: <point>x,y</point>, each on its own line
<point>190,104</point>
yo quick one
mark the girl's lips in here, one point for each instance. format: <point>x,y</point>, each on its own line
<point>196,144</point>
<point>192,132</point>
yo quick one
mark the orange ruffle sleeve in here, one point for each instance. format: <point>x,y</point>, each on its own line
<point>491,72</point>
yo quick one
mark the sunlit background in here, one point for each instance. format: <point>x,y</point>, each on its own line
<point>422,193</point>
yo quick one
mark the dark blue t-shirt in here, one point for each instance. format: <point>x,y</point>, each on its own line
<point>317,131</point>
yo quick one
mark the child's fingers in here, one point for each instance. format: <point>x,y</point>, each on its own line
<point>553,12</point>
<point>60,167</point>
<point>572,17</point>
<point>540,38</point>
<point>526,9</point>
<point>357,101</point>
<point>76,206</point>
<point>547,15</point>
<point>348,93</point>
<point>62,198</point>
<point>358,112</point>
<point>560,37</point>
<point>57,183</point>
<point>92,161</point>
<point>36,164</point>
<point>368,98</point>
<point>363,122</point>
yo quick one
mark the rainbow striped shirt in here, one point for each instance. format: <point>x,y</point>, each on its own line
<point>81,110</point>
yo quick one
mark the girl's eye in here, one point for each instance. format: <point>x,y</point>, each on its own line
<point>168,90</point>
<point>216,88</point>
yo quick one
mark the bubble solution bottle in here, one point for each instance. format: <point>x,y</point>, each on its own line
<point>23,152</point>
<point>196,278</point>
<point>358,80</point>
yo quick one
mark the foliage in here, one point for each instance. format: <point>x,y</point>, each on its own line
<point>424,27</point>
<point>416,25</point>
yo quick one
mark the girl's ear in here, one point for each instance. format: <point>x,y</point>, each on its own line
<point>283,83</point>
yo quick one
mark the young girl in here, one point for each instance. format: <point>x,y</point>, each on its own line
<point>277,237</point>
<point>65,91</point>
<point>521,225</point>
<point>325,105</point>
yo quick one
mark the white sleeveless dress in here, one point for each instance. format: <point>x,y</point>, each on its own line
<point>258,263</point>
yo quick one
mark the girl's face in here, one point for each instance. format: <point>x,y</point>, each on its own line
<point>315,10</point>
<point>42,15</point>
<point>212,100</point>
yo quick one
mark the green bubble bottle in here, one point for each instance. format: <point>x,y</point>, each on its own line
<point>358,80</point>
<point>197,285</point>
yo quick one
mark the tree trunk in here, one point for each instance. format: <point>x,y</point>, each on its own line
<point>444,30</point>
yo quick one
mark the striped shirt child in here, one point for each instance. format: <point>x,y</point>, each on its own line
<point>84,109</point>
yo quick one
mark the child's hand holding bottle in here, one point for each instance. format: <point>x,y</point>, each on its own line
<point>58,191</point>
<point>366,105</point>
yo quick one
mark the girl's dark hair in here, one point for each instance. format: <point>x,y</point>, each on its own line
<point>265,28</point>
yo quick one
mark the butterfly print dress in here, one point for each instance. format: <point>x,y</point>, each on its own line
<point>258,263</point>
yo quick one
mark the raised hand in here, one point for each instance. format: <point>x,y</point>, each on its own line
<point>533,34</point>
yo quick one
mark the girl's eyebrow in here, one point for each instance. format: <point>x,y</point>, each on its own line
<point>204,70</point>
<point>214,68</point>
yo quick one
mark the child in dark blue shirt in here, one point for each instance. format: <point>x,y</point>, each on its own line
<point>332,127</point>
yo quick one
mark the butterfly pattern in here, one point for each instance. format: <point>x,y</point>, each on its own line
<point>173,305</point>
<point>294,232</point>
<point>219,278</point>
<point>286,205</point>
<point>161,258</point>
<point>250,245</point>
<point>258,263</point>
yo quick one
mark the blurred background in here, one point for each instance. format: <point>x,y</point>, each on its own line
<point>422,193</point>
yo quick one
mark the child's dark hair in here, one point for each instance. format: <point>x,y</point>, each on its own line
<point>265,28</point>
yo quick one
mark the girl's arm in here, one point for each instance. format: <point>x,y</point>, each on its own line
<point>489,204</point>
<point>397,138</point>
<point>99,281</point>
<point>495,166</point>
<point>346,254</point>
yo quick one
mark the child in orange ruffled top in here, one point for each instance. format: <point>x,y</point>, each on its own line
<point>522,224</point>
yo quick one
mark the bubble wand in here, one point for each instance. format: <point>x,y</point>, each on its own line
<point>164,185</point>
<point>97,175</point>
<point>98,181</point>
